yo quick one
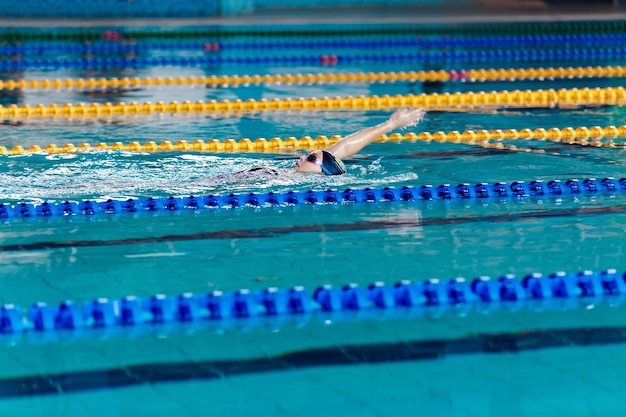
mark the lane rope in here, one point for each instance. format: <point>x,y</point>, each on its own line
<point>450,102</point>
<point>462,75</point>
<point>516,55</point>
<point>120,45</point>
<point>550,29</point>
<point>273,302</point>
<point>594,136</point>
<point>516,190</point>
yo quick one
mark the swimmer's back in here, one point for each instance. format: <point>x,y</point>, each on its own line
<point>250,174</point>
<point>260,171</point>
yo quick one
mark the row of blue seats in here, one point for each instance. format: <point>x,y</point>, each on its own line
<point>131,310</point>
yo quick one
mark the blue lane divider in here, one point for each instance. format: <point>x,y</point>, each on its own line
<point>515,55</point>
<point>272,302</point>
<point>461,41</point>
<point>478,192</point>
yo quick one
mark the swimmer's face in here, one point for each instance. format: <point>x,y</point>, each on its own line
<point>305,163</point>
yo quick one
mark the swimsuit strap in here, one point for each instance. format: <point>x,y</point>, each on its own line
<point>262,170</point>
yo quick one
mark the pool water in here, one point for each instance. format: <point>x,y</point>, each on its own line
<point>471,360</point>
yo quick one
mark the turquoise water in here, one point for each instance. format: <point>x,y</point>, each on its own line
<point>182,369</point>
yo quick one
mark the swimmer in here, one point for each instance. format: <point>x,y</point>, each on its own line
<point>328,161</point>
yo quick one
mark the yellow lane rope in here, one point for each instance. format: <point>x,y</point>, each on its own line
<point>595,136</point>
<point>452,102</point>
<point>470,75</point>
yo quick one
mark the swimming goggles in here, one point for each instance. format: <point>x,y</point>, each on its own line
<point>313,158</point>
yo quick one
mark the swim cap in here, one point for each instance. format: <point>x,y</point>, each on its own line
<point>331,165</point>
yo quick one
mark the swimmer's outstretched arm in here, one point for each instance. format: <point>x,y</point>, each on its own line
<point>351,144</point>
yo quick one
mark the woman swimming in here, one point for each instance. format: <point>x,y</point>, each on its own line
<point>328,161</point>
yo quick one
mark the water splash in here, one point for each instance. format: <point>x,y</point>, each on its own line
<point>37,178</point>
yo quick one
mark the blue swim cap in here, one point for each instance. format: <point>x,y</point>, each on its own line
<point>331,165</point>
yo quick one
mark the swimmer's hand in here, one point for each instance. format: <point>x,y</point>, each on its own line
<point>407,116</point>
